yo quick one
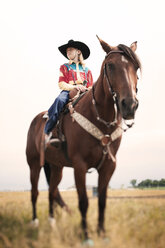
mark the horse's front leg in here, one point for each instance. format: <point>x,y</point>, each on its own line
<point>105,174</point>
<point>80,177</point>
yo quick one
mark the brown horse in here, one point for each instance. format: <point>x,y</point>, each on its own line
<point>111,99</point>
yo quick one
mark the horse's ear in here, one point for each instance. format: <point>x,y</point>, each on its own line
<point>133,46</point>
<point>107,48</point>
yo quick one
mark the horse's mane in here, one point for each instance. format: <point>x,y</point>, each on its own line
<point>128,52</point>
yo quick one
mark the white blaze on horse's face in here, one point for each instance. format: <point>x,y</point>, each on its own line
<point>131,82</point>
<point>123,59</point>
<point>127,99</point>
<point>123,78</point>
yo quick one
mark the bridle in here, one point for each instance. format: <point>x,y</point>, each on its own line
<point>114,96</point>
<point>107,138</point>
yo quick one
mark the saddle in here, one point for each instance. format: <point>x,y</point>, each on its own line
<point>57,138</point>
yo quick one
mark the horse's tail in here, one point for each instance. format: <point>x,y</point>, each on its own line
<point>47,172</point>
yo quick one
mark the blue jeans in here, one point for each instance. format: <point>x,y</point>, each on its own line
<point>55,110</point>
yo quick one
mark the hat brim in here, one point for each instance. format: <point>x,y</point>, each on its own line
<point>76,44</point>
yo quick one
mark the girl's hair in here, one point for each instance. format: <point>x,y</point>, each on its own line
<point>81,59</point>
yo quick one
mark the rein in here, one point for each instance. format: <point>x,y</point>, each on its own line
<point>106,123</point>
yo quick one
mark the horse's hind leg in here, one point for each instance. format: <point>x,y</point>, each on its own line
<point>34,177</point>
<point>57,196</point>
<point>55,178</point>
<point>61,202</point>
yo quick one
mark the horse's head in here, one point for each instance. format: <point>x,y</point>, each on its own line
<point>120,70</point>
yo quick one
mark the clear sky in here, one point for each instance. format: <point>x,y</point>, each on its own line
<point>30,33</point>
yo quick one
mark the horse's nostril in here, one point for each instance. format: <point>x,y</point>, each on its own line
<point>129,104</point>
<point>123,103</point>
<point>137,104</point>
<point>134,105</point>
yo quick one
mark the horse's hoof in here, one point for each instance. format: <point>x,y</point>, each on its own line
<point>52,222</point>
<point>88,243</point>
<point>35,223</point>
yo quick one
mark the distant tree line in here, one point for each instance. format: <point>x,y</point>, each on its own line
<point>148,183</point>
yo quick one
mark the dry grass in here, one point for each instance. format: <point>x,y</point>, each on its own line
<point>129,222</point>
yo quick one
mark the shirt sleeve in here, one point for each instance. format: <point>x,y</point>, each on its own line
<point>63,82</point>
<point>89,79</point>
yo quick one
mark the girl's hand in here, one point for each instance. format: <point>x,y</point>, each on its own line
<point>81,88</point>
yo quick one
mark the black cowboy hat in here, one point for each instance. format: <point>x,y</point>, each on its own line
<point>76,44</point>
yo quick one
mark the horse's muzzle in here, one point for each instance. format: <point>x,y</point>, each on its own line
<point>128,108</point>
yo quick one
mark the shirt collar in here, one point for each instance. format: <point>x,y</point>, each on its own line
<point>72,62</point>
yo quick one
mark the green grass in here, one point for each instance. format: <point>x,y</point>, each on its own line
<point>129,222</point>
<point>152,188</point>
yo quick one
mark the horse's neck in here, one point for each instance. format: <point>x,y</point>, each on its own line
<point>104,101</point>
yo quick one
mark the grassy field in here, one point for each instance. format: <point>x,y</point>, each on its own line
<point>130,222</point>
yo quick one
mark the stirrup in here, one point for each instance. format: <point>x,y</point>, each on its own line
<point>49,141</point>
<point>47,138</point>
<point>54,140</point>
